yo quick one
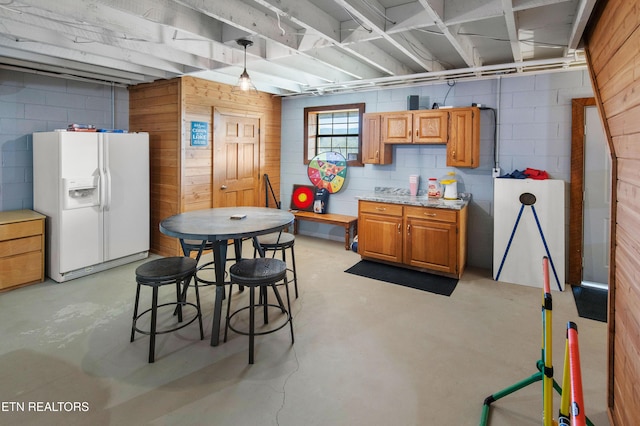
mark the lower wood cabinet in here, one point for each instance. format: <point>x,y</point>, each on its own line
<point>21,248</point>
<point>424,238</point>
<point>380,231</point>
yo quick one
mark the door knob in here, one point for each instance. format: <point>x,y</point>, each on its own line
<point>223,187</point>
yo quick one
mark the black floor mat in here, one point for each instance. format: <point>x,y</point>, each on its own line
<point>409,278</point>
<point>591,302</point>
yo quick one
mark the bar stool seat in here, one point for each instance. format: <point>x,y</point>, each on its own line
<point>155,274</point>
<point>259,273</point>
<point>280,242</point>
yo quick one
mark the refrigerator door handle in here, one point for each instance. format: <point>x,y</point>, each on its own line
<point>105,175</point>
<point>108,189</point>
<point>102,178</point>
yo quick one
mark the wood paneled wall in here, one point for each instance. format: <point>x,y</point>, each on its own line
<point>613,53</point>
<point>181,174</point>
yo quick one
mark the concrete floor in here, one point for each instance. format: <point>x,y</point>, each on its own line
<point>366,353</point>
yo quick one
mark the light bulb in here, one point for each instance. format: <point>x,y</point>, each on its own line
<point>244,81</point>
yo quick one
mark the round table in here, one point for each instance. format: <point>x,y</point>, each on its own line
<point>218,225</point>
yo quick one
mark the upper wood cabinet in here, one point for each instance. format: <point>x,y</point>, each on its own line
<point>373,150</point>
<point>415,127</point>
<point>463,148</point>
<point>397,127</point>
<point>430,126</point>
<point>458,128</point>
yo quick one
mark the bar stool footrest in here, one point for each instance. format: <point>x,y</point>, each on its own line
<point>180,325</point>
<point>260,333</point>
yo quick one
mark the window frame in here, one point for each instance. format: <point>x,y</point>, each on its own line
<point>315,110</point>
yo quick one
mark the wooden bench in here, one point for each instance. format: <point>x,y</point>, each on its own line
<point>346,221</point>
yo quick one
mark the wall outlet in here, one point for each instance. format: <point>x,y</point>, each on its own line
<point>495,172</point>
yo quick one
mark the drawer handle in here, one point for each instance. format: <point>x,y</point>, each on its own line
<point>431,214</point>
<point>381,209</point>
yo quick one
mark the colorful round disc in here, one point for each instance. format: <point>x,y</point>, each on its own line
<point>328,170</point>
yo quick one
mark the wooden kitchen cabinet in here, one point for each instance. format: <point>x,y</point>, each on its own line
<point>424,238</point>
<point>431,240</point>
<point>373,150</point>
<point>458,128</point>
<point>463,148</point>
<point>397,127</point>
<point>414,127</point>
<point>431,126</point>
<point>21,248</point>
<point>380,231</point>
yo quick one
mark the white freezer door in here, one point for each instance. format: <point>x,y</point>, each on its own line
<point>126,212</point>
<point>523,261</point>
<point>80,228</point>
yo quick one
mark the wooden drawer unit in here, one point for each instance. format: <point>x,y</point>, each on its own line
<point>380,208</point>
<point>21,248</point>
<point>441,215</point>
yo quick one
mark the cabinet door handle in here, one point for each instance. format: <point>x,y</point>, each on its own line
<point>409,229</point>
<point>399,228</point>
<point>377,154</point>
<point>381,209</point>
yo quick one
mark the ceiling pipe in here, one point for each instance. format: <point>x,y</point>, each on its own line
<point>475,73</point>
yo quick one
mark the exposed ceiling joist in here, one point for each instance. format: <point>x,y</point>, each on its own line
<point>512,29</point>
<point>300,47</point>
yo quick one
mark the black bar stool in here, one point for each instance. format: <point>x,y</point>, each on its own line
<point>156,273</point>
<point>262,273</point>
<point>280,242</point>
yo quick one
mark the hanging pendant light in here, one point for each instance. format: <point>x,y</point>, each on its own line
<point>244,82</point>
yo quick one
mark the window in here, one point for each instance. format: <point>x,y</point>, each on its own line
<point>334,128</point>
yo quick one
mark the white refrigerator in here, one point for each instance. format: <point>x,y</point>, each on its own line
<point>94,189</point>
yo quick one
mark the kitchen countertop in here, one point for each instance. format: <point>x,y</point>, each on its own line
<point>402,196</point>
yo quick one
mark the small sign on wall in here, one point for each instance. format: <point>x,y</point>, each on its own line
<point>199,133</point>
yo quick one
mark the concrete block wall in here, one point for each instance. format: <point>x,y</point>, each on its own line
<point>35,103</point>
<point>534,130</point>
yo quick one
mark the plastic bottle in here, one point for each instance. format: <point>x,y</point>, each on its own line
<point>434,189</point>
